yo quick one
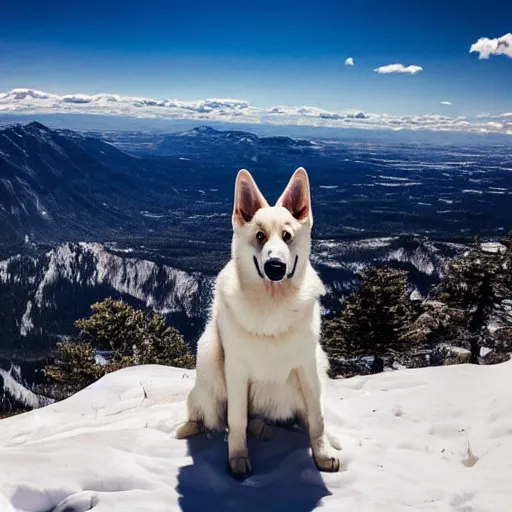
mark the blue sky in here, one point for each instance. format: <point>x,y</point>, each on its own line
<point>269,53</point>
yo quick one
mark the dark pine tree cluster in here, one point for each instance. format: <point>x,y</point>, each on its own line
<point>469,309</point>
<point>128,336</point>
<point>375,319</point>
<point>478,285</point>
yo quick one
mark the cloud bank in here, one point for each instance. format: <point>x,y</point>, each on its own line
<point>349,61</point>
<point>30,101</point>
<point>398,68</point>
<point>486,47</point>
<point>446,103</point>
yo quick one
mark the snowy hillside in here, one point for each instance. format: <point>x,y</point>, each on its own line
<point>56,287</point>
<point>432,439</point>
<point>57,185</point>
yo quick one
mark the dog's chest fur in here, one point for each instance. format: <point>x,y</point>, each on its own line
<point>268,337</point>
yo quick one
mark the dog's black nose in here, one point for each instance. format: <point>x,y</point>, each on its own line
<point>275,270</point>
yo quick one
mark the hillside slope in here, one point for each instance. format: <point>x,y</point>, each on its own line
<point>405,436</point>
<point>61,185</point>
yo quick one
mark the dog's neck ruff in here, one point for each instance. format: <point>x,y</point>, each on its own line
<point>289,276</point>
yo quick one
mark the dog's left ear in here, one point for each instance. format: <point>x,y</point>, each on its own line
<point>296,197</point>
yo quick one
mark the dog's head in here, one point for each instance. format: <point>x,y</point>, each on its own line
<point>272,243</point>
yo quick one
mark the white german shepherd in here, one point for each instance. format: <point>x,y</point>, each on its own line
<point>259,356</point>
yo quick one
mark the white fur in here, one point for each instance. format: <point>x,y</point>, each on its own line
<point>259,354</point>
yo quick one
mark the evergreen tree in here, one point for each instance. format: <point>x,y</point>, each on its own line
<point>75,366</point>
<point>131,336</point>
<point>375,319</point>
<point>477,284</point>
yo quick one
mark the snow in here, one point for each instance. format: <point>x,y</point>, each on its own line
<point>129,276</point>
<point>13,387</point>
<point>423,440</point>
<point>493,247</point>
<point>402,184</point>
<point>27,324</point>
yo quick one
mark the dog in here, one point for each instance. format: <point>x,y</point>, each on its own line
<point>259,359</point>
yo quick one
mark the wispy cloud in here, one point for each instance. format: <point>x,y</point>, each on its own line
<point>446,103</point>
<point>349,61</point>
<point>398,68</point>
<point>29,101</point>
<point>498,46</point>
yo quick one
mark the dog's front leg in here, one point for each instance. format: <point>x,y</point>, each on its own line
<point>237,384</point>
<point>325,455</point>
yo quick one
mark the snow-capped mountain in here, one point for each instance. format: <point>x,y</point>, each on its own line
<point>146,217</point>
<point>53,288</point>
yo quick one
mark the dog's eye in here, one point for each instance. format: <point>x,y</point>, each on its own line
<point>260,236</point>
<point>287,236</point>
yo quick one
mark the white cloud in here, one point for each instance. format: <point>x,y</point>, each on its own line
<point>487,47</point>
<point>446,103</point>
<point>349,61</point>
<point>29,101</point>
<point>398,68</point>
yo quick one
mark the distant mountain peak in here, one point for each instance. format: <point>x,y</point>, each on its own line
<point>35,125</point>
<point>201,130</point>
<point>26,129</point>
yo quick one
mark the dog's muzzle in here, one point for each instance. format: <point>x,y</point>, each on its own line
<point>275,269</point>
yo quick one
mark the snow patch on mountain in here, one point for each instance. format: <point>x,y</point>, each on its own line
<point>14,390</point>
<point>26,324</point>
<point>9,276</point>
<point>161,288</point>
<point>421,261</point>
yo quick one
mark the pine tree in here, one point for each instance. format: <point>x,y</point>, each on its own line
<point>375,319</point>
<point>75,365</point>
<point>131,336</point>
<point>114,325</point>
<point>476,284</point>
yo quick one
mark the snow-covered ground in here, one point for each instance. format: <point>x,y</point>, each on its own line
<point>428,439</point>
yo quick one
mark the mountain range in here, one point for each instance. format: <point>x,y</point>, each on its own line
<point>60,185</point>
<point>146,217</point>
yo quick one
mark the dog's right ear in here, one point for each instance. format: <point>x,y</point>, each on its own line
<point>248,199</point>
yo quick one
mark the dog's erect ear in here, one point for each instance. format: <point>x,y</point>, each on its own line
<point>248,199</point>
<point>296,197</point>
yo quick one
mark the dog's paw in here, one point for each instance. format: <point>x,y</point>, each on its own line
<point>327,460</point>
<point>188,429</point>
<point>260,429</point>
<point>240,467</point>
